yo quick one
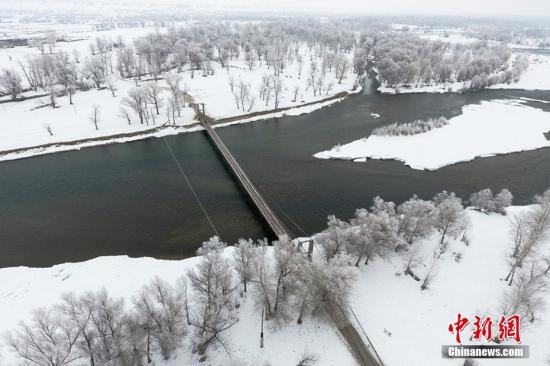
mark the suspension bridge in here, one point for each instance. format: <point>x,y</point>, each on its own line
<point>359,343</point>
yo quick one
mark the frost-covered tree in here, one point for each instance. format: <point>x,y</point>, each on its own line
<point>46,340</point>
<point>67,74</point>
<point>162,308</point>
<point>94,69</point>
<point>137,102</point>
<point>502,200</point>
<point>341,67</point>
<point>486,202</point>
<point>526,297</point>
<point>379,206</point>
<point>153,91</point>
<point>416,219</point>
<point>528,232</point>
<point>213,288</point>
<point>243,257</point>
<point>450,218</point>
<point>483,200</point>
<point>335,238</point>
<point>10,83</point>
<point>320,283</point>
<point>410,128</point>
<point>375,234</point>
<point>288,260</point>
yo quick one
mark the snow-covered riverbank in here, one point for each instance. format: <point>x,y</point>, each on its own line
<point>534,78</point>
<point>23,289</point>
<point>485,129</point>
<point>470,285</point>
<point>31,126</point>
<point>186,126</point>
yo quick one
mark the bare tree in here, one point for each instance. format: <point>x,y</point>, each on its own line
<point>95,70</point>
<point>153,91</point>
<point>51,38</point>
<point>123,112</point>
<point>528,232</point>
<point>430,274</point>
<point>295,92</point>
<point>10,82</point>
<point>231,81</point>
<point>48,128</point>
<point>213,287</point>
<point>112,86</point>
<point>342,65</point>
<point>277,90</point>
<point>413,260</point>
<point>526,297</point>
<point>98,318</point>
<point>307,359</point>
<point>242,258</point>
<point>288,260</point>
<point>67,74</point>
<point>95,116</point>
<point>162,308</point>
<point>173,81</point>
<point>137,102</point>
<point>46,340</point>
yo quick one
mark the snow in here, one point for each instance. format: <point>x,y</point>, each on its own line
<point>455,86</point>
<point>22,124</point>
<point>536,77</point>
<point>417,320</point>
<point>453,38</point>
<point>485,129</point>
<point>23,289</point>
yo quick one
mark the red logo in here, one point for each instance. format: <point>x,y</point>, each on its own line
<point>508,327</point>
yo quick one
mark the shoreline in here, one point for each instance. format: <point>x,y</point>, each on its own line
<point>445,146</point>
<point>171,130</point>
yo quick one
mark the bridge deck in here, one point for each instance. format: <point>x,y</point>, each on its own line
<point>362,353</point>
<point>273,221</point>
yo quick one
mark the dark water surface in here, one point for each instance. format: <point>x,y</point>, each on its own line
<point>131,199</point>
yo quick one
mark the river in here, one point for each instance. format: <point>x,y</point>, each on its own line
<point>131,199</point>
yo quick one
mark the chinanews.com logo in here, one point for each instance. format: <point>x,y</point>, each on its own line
<point>492,334</point>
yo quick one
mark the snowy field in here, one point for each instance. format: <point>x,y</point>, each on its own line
<point>24,289</point>
<point>536,77</point>
<point>399,316</point>
<point>485,129</point>
<point>25,124</point>
<point>411,320</point>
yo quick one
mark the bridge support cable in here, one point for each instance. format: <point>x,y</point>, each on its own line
<point>279,208</point>
<point>180,168</point>
<point>265,210</point>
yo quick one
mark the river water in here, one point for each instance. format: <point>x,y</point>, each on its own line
<point>131,198</point>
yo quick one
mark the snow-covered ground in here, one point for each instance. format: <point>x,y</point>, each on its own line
<point>408,326</point>
<point>536,77</point>
<point>396,314</point>
<point>23,289</point>
<point>23,125</point>
<point>485,129</point>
